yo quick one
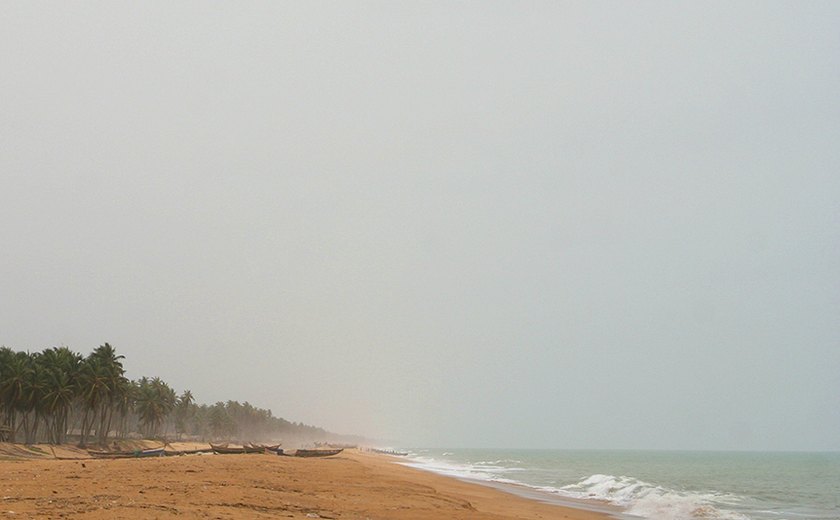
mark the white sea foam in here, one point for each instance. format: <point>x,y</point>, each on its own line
<point>638,498</point>
<point>497,462</point>
<point>651,501</point>
<point>478,471</point>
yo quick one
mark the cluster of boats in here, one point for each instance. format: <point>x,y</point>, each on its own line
<point>390,452</point>
<point>219,449</point>
<point>224,449</point>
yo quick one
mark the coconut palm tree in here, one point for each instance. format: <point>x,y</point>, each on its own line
<point>115,381</point>
<point>184,409</point>
<point>126,397</point>
<point>6,355</point>
<point>220,422</point>
<point>13,389</point>
<point>93,389</point>
<point>155,401</point>
<point>101,378</point>
<point>37,382</point>
<point>200,421</point>
<point>62,367</point>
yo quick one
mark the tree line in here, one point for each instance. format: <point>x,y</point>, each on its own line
<point>57,395</point>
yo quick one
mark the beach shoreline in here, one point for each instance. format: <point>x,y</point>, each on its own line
<point>524,490</point>
<point>530,493</point>
<point>351,485</point>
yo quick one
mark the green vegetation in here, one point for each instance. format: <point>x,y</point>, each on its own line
<point>47,396</point>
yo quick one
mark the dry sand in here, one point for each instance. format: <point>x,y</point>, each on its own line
<point>351,485</point>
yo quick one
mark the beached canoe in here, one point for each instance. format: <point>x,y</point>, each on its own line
<point>175,453</point>
<point>136,454</point>
<point>317,453</point>
<point>224,449</point>
<point>275,448</point>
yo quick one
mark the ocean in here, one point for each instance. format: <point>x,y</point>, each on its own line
<point>659,485</point>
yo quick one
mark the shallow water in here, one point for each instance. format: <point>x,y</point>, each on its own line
<point>662,485</point>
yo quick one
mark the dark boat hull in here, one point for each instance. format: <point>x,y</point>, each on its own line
<point>175,453</point>
<point>137,454</point>
<point>317,453</point>
<point>225,450</point>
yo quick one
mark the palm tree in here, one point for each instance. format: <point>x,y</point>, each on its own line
<point>115,381</point>
<point>62,367</point>
<point>33,398</point>
<point>184,409</point>
<point>6,355</point>
<point>221,423</point>
<point>200,421</point>
<point>93,388</point>
<point>13,392</point>
<point>126,396</point>
<point>155,401</point>
<point>100,381</point>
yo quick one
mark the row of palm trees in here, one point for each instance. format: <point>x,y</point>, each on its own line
<point>47,396</point>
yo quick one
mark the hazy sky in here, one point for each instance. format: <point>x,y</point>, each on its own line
<point>509,224</point>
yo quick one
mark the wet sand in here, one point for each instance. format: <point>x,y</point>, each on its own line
<point>351,485</point>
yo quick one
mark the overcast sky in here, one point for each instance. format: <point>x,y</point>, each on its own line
<point>504,224</point>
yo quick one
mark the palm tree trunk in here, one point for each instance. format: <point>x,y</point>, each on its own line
<point>25,425</point>
<point>11,419</point>
<point>34,433</point>
<point>56,424</point>
<point>108,422</point>
<point>48,422</point>
<point>61,432</point>
<point>83,433</point>
<point>101,432</point>
<point>61,427</point>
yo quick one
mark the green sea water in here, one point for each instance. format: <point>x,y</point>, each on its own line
<point>661,485</point>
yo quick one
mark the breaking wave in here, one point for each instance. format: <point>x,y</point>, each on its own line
<point>635,497</point>
<point>482,470</point>
<point>651,501</point>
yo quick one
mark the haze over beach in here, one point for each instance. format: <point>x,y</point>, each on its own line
<point>501,225</point>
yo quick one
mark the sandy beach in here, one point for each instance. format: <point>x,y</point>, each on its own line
<point>351,485</point>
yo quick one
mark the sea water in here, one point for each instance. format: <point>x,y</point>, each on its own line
<point>660,485</point>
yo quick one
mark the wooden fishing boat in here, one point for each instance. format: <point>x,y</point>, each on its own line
<point>317,453</point>
<point>175,453</point>
<point>275,448</point>
<point>261,446</point>
<point>224,449</point>
<point>136,454</point>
